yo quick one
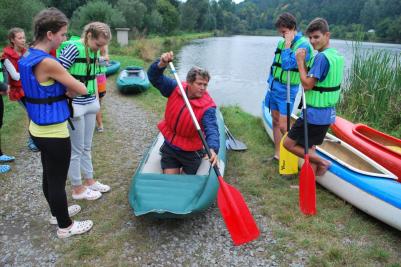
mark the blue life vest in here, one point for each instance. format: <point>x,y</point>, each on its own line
<point>46,105</point>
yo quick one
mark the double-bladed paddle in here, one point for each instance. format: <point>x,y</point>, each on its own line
<point>239,220</point>
<point>307,185</point>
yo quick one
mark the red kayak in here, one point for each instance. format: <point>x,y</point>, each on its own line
<point>382,148</point>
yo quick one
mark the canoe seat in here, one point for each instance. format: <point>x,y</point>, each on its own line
<point>152,164</point>
<point>395,148</point>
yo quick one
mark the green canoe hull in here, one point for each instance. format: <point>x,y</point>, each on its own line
<point>132,80</point>
<point>174,196</point>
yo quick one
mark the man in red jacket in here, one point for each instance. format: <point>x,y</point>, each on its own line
<point>183,149</point>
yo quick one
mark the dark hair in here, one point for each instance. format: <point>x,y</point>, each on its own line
<point>12,32</point>
<point>50,19</point>
<point>286,20</point>
<point>191,75</point>
<point>317,24</point>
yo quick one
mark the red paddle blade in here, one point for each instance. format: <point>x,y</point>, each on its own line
<point>239,221</point>
<point>307,189</point>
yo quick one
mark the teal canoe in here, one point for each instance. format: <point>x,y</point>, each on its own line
<point>174,196</point>
<point>112,67</point>
<point>132,80</point>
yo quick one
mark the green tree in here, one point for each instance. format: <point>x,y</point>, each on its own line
<point>170,15</point>
<point>18,14</point>
<point>97,10</point>
<point>134,12</point>
<point>67,7</point>
<point>195,15</point>
<point>249,13</point>
<point>154,21</point>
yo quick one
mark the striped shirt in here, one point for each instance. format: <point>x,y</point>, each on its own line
<point>67,58</point>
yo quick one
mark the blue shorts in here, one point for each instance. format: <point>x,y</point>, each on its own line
<point>278,102</point>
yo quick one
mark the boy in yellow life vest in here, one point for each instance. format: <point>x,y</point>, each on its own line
<point>322,91</point>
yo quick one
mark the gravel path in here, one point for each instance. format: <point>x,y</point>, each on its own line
<point>28,240</point>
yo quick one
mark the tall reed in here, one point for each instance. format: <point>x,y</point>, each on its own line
<point>372,90</point>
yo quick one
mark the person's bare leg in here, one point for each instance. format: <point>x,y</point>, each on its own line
<point>172,171</point>
<point>78,189</point>
<point>319,164</point>
<point>277,134</point>
<point>99,119</point>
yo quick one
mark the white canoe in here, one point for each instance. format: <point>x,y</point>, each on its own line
<point>356,178</point>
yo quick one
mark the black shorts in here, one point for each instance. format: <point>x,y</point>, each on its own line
<point>102,94</point>
<point>175,159</point>
<point>316,133</point>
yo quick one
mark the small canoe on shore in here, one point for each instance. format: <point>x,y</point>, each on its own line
<point>382,148</point>
<point>132,80</point>
<point>356,178</point>
<point>174,196</point>
<point>112,67</point>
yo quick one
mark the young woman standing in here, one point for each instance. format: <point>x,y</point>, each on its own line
<point>46,84</point>
<point>80,56</point>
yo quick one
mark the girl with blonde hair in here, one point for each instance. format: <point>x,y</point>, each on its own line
<point>79,56</point>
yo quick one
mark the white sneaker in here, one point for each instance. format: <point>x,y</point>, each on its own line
<point>78,227</point>
<point>72,210</point>
<point>98,186</point>
<point>88,194</point>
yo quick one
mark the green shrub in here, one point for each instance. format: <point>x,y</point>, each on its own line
<point>18,14</point>
<point>97,10</point>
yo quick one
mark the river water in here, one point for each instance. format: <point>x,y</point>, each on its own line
<point>239,65</point>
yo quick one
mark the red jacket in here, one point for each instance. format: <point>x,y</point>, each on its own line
<point>177,126</point>
<point>16,91</point>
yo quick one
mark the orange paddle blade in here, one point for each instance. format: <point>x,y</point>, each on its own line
<point>307,188</point>
<point>239,220</point>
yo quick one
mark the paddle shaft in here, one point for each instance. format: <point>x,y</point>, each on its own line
<point>305,122</point>
<point>223,185</point>
<point>288,100</point>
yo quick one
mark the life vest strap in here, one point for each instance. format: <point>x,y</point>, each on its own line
<point>84,78</point>
<point>84,60</point>
<point>48,100</point>
<point>326,89</point>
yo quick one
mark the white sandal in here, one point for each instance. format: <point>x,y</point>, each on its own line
<point>77,228</point>
<point>98,186</point>
<point>88,194</point>
<point>72,210</point>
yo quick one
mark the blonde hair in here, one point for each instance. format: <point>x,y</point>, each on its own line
<point>96,29</point>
